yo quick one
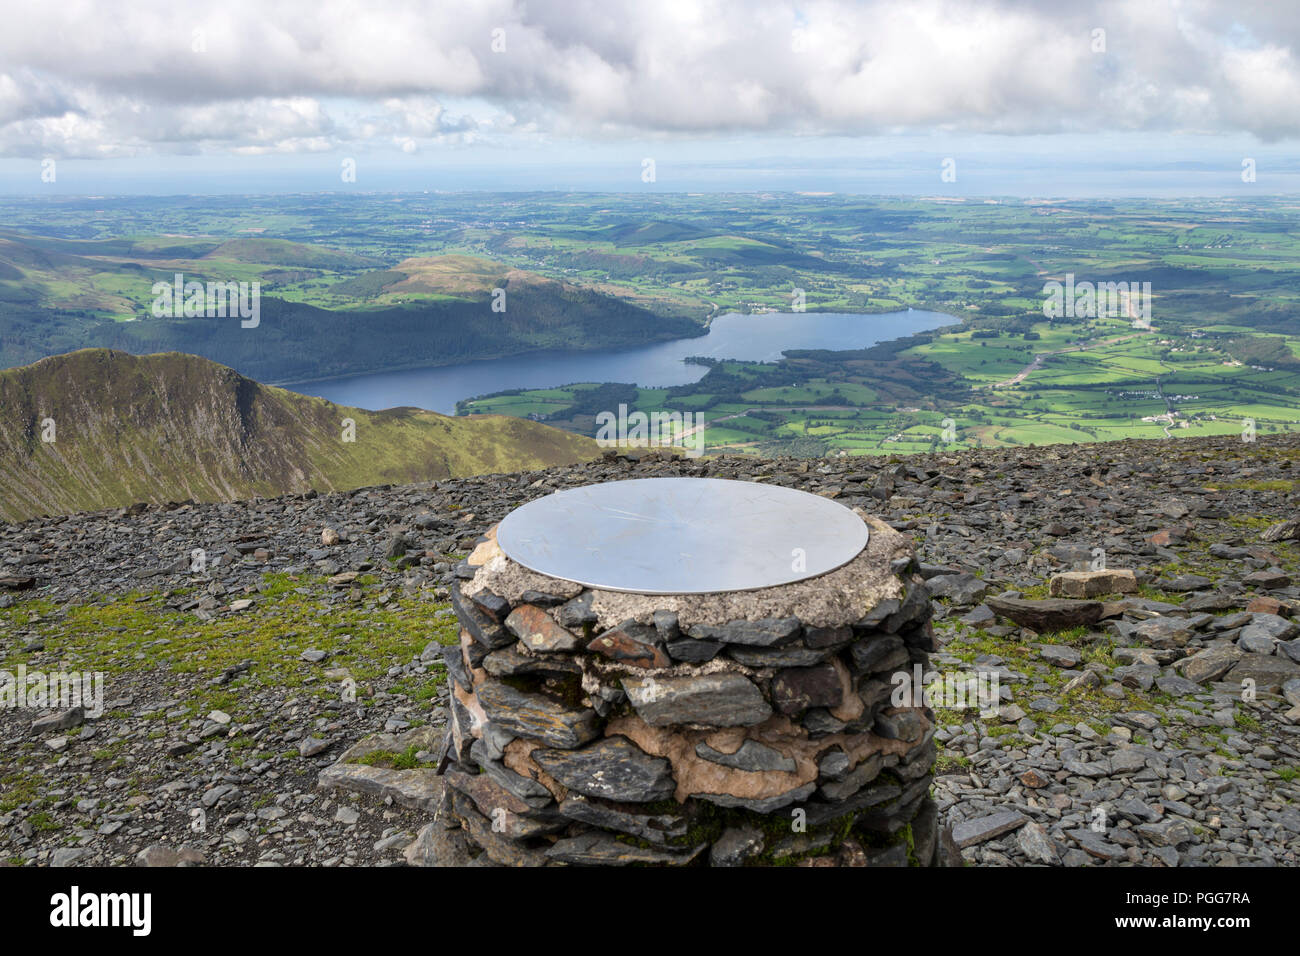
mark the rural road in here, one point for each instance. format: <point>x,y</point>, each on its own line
<point>1037,363</point>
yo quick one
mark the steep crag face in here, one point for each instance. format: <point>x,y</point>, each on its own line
<point>96,429</point>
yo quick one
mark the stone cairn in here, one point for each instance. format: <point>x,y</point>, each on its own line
<point>741,728</point>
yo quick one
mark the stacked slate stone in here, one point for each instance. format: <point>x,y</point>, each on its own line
<point>747,728</point>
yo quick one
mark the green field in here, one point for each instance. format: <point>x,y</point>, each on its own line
<point>1118,384</point>
<point>370,282</point>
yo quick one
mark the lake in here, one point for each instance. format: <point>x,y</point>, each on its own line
<point>755,338</point>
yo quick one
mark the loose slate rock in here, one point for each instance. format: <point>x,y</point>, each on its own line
<point>1282,531</point>
<point>613,768</point>
<point>1141,719</point>
<point>1166,832</point>
<point>1186,582</point>
<point>969,832</point>
<point>1269,579</point>
<point>59,720</point>
<point>1061,655</point>
<point>1272,625</point>
<point>1088,584</point>
<point>1053,614</point>
<point>1267,671</point>
<point>1210,664</point>
<point>1163,632</point>
<point>1094,844</point>
<point>1037,845</point>
<point>1252,640</point>
<point>962,589</point>
<point>1291,691</point>
<point>1176,686</point>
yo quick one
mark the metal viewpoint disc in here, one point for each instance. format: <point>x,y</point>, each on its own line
<point>682,535</point>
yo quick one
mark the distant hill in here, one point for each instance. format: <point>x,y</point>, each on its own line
<point>461,276</point>
<point>58,295</point>
<point>113,277</point>
<point>472,278</point>
<point>296,342</point>
<point>175,427</point>
<point>282,252</point>
<point>639,233</point>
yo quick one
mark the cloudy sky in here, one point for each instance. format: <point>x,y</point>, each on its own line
<point>157,88</point>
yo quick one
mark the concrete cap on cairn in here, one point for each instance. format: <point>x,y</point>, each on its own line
<point>664,536</point>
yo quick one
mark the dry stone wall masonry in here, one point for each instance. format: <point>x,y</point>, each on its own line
<point>741,728</point>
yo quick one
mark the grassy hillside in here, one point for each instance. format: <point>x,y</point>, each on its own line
<point>323,312</point>
<point>472,278</point>
<point>1066,381</point>
<point>112,278</point>
<point>174,427</point>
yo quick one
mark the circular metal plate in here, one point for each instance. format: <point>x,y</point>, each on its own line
<point>682,535</point>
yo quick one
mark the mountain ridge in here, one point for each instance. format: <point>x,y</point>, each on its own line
<point>97,428</point>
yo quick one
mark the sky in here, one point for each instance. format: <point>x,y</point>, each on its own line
<point>982,97</point>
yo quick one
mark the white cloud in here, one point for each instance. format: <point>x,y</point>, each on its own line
<point>86,79</point>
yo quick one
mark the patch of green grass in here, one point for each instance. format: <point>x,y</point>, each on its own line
<point>17,789</point>
<point>406,760</point>
<point>951,763</point>
<point>1247,721</point>
<point>1251,522</point>
<point>1153,593</point>
<point>1278,485</point>
<point>378,758</point>
<point>1084,704</point>
<point>42,822</point>
<point>291,615</point>
<point>1100,652</point>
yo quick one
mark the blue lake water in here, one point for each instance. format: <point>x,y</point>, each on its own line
<point>754,338</point>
